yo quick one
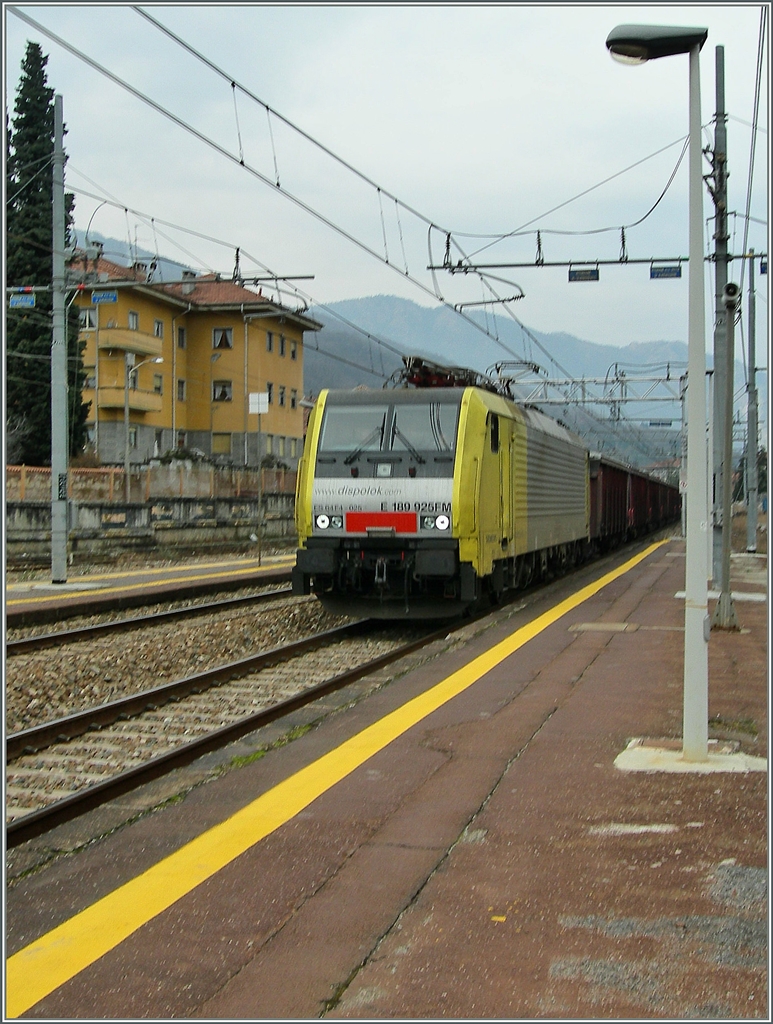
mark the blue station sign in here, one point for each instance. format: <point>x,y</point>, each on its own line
<point>586,274</point>
<point>98,297</point>
<point>659,273</point>
<point>22,301</point>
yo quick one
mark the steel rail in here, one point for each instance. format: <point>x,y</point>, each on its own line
<point>27,645</point>
<point>38,822</point>
<point>60,730</point>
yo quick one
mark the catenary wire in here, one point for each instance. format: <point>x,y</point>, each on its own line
<point>160,109</point>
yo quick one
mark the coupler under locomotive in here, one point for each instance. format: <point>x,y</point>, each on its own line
<point>385,577</point>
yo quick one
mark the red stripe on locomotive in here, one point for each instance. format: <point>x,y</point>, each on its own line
<point>401,522</point>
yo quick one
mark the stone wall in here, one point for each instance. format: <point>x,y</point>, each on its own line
<point>165,526</point>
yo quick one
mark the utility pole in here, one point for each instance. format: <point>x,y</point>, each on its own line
<point>752,481</point>
<point>724,616</point>
<point>719,195</point>
<point>59,431</point>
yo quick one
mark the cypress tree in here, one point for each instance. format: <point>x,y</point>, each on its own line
<point>29,226</point>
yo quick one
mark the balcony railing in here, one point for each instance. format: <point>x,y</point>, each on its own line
<point>126,340</point>
<point>139,400</point>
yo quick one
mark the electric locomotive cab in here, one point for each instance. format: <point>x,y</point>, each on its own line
<point>374,503</point>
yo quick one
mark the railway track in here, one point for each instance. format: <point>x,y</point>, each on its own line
<point>42,641</point>
<point>136,596</point>
<point>61,769</point>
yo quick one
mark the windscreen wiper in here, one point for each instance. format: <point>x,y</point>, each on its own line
<point>396,432</point>
<point>358,451</point>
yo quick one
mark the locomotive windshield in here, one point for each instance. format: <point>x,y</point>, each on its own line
<point>430,427</point>
<point>411,427</point>
<point>353,428</point>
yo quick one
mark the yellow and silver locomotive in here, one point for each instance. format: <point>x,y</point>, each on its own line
<point>418,502</point>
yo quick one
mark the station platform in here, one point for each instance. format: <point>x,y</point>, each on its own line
<point>31,601</point>
<point>463,841</point>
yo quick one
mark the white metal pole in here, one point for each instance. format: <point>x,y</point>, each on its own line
<point>711,383</point>
<point>260,494</point>
<point>696,621</point>
<point>126,462</point>
<point>752,479</point>
<point>96,384</point>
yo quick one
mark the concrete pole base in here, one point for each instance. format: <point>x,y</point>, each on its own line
<point>724,616</point>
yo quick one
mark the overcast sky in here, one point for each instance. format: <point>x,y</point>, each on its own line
<point>481,119</point>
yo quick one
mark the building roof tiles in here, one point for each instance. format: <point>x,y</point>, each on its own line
<point>203,290</point>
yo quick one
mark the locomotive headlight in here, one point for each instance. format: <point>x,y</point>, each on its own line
<point>323,522</point>
<point>337,522</point>
<point>435,522</point>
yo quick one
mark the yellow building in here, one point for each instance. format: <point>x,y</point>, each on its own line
<point>174,366</point>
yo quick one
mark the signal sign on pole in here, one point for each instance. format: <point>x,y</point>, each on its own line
<point>22,301</point>
<point>258,402</point>
<point>658,273</point>
<point>587,274</point>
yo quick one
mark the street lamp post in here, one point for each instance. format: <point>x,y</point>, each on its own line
<point>129,367</point>
<point>635,44</point>
<point>212,360</point>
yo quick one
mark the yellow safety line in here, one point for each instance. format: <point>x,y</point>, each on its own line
<point>134,586</point>
<point>56,957</point>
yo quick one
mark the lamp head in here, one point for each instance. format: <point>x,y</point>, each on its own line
<point>635,44</point>
<point>731,295</point>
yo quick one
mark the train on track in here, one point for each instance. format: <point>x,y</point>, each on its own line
<point>425,500</point>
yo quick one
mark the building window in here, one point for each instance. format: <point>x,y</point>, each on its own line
<point>132,437</point>
<point>180,438</point>
<point>222,337</point>
<point>293,448</point>
<point>293,399</point>
<point>91,378</point>
<point>158,383</point>
<point>281,451</point>
<point>293,349</point>
<point>158,443</point>
<point>270,392</point>
<point>134,379</point>
<point>222,390</point>
<point>134,320</point>
<point>181,337</point>
<point>180,390</point>
<point>221,444</point>
<point>282,344</point>
<point>269,444</point>
<point>87,319</point>
<point>269,341</point>
<point>158,328</point>
<point>282,395</point>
